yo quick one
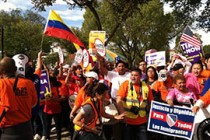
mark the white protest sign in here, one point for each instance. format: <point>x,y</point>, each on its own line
<point>156,58</point>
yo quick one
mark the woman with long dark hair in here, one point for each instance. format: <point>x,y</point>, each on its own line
<point>151,76</point>
<point>85,92</point>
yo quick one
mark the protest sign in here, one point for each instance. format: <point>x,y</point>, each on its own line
<point>193,54</point>
<point>85,58</point>
<point>60,53</point>
<point>175,121</point>
<point>79,56</point>
<point>45,89</point>
<point>97,40</point>
<point>20,63</point>
<point>156,58</point>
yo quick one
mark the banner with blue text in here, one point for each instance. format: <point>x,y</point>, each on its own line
<point>175,121</point>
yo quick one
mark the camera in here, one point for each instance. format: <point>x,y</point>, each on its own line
<point>135,110</point>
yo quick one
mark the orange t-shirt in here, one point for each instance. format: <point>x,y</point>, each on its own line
<point>38,72</point>
<point>123,91</point>
<point>205,74</point>
<point>81,97</point>
<point>206,98</point>
<point>162,88</point>
<point>63,90</point>
<point>19,103</point>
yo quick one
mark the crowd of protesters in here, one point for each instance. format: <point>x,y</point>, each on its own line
<point>78,99</point>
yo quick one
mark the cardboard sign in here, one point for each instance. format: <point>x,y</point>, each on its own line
<point>97,40</point>
<point>156,58</point>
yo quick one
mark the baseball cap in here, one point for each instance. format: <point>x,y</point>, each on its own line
<point>91,74</point>
<point>177,67</point>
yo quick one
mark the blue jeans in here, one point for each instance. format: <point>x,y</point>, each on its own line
<point>40,123</point>
<point>135,132</point>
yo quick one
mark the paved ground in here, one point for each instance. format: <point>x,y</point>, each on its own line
<point>65,135</point>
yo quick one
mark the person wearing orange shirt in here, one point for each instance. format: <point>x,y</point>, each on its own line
<point>40,122</point>
<point>88,120</point>
<point>85,92</point>
<point>204,100</point>
<point>60,72</point>
<point>162,86</point>
<point>133,98</point>
<point>53,109</point>
<point>17,98</point>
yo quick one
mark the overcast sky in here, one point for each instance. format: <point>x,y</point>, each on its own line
<point>74,18</point>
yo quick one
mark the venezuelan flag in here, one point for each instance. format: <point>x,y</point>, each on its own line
<point>55,27</point>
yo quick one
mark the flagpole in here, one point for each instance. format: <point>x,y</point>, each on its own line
<point>45,30</point>
<point>42,42</point>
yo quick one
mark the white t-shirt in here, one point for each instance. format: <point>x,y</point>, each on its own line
<point>116,81</point>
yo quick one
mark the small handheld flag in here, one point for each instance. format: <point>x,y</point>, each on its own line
<point>188,37</point>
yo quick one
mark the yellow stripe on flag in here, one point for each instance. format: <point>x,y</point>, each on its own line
<point>55,16</point>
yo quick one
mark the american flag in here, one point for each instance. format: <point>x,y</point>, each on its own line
<point>117,59</point>
<point>188,37</point>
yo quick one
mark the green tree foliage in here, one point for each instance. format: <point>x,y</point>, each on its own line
<point>186,12</point>
<point>51,58</point>
<point>206,49</point>
<point>146,28</point>
<point>121,8</point>
<point>22,32</point>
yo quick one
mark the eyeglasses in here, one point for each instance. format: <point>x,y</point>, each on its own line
<point>142,64</point>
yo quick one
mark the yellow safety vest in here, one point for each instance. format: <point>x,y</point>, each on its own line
<point>132,100</point>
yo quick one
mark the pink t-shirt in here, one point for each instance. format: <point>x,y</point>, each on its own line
<point>175,94</point>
